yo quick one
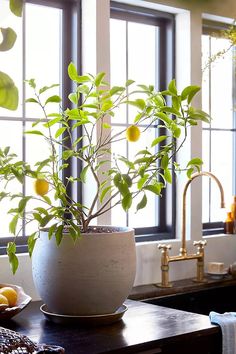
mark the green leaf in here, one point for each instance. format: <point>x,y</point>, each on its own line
<point>13,224</point>
<point>31,242</point>
<point>99,78</point>
<point>72,72</point>
<point>42,164</point>
<point>16,7</point>
<point>11,247</point>
<point>31,83</point>
<point>195,161</point>
<point>73,233</point>
<point>189,172</point>
<point>45,88</point>
<point>77,141</point>
<point>83,174</point>
<point>53,99</point>
<point>139,103</point>
<point>164,117</point>
<point>127,201</point>
<point>73,97</point>
<point>59,234</point>
<point>172,87</point>
<point>45,220</point>
<point>167,175</point>
<point>123,189</point>
<point>8,39</point>
<point>176,132</point>
<point>106,125</point>
<point>127,179</point>
<point>158,140</point>
<point>106,106</point>
<point>144,87</point>
<point>59,132</point>
<point>164,162</point>
<point>142,204</point>
<point>192,94</point>
<point>171,110</point>
<point>189,92</point>
<point>128,163</point>
<point>104,192</point>
<point>51,230</point>
<point>117,179</point>
<point>36,132</point>
<point>67,154</point>
<point>13,260</point>
<point>84,89</point>
<point>8,92</point>
<point>129,82</point>
<point>154,188</point>
<point>41,210</point>
<point>47,199</point>
<point>18,175</point>
<point>6,150</point>
<point>142,160</point>
<point>143,152</point>
<point>31,100</point>
<point>176,103</point>
<point>142,181</point>
<point>199,115</point>
<point>116,90</point>
<point>37,217</point>
<point>22,204</point>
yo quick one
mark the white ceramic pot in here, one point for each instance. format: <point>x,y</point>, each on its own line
<point>91,276</point>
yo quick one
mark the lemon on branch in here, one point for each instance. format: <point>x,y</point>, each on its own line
<point>133,133</point>
<point>41,186</point>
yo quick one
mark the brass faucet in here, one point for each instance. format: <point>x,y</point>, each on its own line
<point>183,255</point>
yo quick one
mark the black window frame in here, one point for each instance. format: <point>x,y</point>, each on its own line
<point>71,28</point>
<point>166,23</point>
<point>71,51</point>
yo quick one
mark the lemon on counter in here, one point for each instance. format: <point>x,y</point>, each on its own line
<point>41,186</point>
<point>10,294</point>
<point>3,300</point>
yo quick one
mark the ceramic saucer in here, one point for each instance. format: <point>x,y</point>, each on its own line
<point>215,275</point>
<point>95,320</point>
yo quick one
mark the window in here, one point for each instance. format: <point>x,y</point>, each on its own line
<point>41,52</point>
<point>218,97</point>
<point>142,48</point>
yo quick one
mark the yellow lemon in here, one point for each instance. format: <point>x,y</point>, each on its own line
<point>41,186</point>
<point>3,300</point>
<point>133,133</point>
<point>10,294</point>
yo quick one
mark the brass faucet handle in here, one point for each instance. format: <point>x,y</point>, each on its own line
<point>164,247</point>
<point>200,244</point>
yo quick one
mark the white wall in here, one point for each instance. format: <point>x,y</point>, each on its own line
<point>188,55</point>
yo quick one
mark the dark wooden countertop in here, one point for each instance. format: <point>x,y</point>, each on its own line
<point>145,328</point>
<point>184,286</point>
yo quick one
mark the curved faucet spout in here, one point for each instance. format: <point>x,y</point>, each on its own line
<point>183,250</point>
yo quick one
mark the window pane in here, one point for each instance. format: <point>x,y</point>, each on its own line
<point>10,135</point>
<point>218,137</point>
<point>36,54</point>
<point>134,55</point>
<point>222,147</point>
<point>8,62</point>
<point>42,49</point>
<point>142,53</point>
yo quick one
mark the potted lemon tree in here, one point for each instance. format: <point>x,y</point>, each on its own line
<point>80,268</point>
